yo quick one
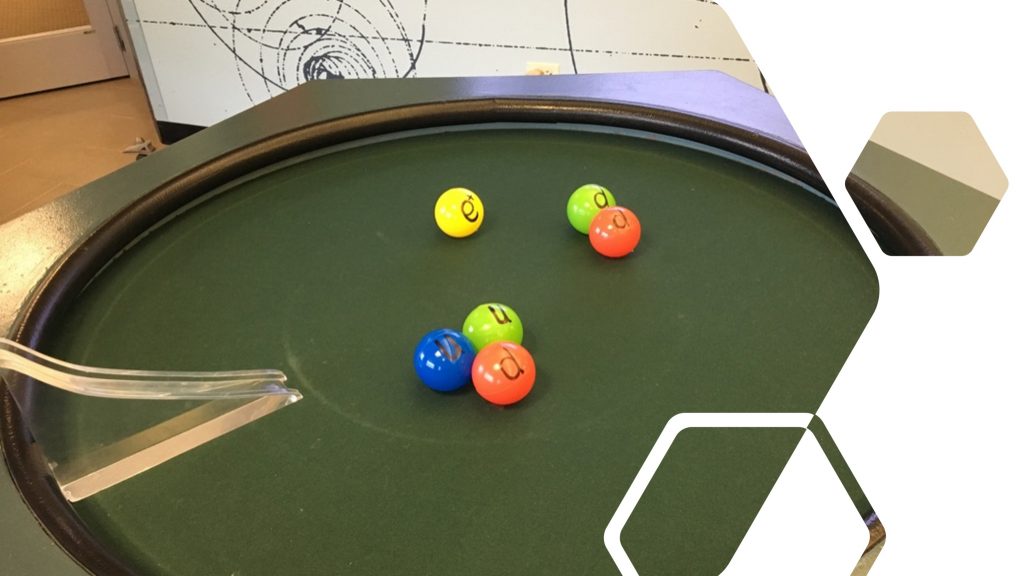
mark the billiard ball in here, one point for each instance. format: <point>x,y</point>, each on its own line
<point>615,232</point>
<point>459,212</point>
<point>492,322</point>
<point>444,360</point>
<point>585,203</point>
<point>503,373</point>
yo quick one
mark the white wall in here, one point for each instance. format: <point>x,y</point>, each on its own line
<point>204,60</point>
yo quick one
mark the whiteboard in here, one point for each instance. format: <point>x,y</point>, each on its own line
<point>204,60</point>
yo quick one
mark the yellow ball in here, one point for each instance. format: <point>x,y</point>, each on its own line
<point>459,212</point>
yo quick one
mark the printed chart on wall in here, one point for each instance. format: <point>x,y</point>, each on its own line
<point>205,60</point>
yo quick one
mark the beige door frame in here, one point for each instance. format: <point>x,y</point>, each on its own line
<point>65,57</point>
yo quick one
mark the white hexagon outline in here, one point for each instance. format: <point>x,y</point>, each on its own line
<point>675,425</point>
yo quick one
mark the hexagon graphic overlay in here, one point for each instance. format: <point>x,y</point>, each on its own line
<point>749,426</point>
<point>936,170</point>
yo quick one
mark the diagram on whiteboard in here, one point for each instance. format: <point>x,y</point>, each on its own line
<point>214,58</point>
<point>278,44</point>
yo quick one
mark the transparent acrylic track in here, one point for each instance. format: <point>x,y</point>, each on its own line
<point>230,399</point>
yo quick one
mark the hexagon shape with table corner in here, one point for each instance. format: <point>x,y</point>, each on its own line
<point>937,173</point>
<point>670,516</point>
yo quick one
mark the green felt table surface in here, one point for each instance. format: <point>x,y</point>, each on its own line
<point>746,294</point>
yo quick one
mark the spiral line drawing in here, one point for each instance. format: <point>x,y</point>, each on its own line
<point>279,44</point>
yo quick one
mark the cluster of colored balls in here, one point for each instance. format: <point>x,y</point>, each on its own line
<point>614,231</point>
<point>487,352</point>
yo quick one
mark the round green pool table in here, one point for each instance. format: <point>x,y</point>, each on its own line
<point>315,251</point>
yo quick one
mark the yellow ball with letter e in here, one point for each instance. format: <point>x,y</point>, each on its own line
<point>459,212</point>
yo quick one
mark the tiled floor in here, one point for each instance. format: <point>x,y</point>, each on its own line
<point>54,142</point>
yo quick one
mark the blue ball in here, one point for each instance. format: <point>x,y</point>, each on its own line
<point>444,360</point>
